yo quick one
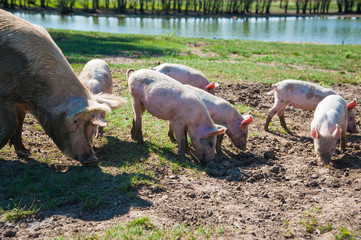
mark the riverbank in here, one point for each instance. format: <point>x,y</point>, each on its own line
<point>191,14</point>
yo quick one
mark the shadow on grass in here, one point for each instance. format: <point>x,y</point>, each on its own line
<point>92,44</point>
<point>84,192</point>
<point>120,153</point>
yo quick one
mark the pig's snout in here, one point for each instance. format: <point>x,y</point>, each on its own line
<point>205,157</point>
<point>242,147</point>
<point>87,158</point>
<point>352,129</point>
<point>325,158</point>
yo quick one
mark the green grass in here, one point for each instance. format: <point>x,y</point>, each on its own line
<point>311,222</point>
<point>143,228</point>
<point>17,213</point>
<point>235,60</point>
<point>344,234</point>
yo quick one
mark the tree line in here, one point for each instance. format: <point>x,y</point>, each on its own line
<point>186,6</point>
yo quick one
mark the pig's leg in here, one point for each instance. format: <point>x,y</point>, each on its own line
<point>100,131</point>
<point>219,143</point>
<point>181,136</point>
<point>281,116</point>
<point>171,133</point>
<point>272,112</point>
<point>187,149</point>
<point>343,140</point>
<point>16,139</point>
<point>8,123</point>
<point>136,131</point>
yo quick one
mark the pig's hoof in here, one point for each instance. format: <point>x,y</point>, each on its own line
<point>99,135</point>
<point>172,139</point>
<point>23,153</point>
<point>288,131</point>
<point>324,163</point>
<point>90,162</point>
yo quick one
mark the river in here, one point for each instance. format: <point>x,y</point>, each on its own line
<point>328,30</point>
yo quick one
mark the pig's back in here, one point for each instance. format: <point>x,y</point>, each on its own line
<point>217,107</point>
<point>161,95</point>
<point>302,94</point>
<point>96,76</point>
<point>330,111</point>
<point>184,74</point>
<point>33,62</point>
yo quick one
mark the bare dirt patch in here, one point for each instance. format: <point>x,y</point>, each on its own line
<point>266,192</point>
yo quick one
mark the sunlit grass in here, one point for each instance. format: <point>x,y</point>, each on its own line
<point>144,228</point>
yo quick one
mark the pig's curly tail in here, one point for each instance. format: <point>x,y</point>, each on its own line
<point>273,90</point>
<point>129,71</point>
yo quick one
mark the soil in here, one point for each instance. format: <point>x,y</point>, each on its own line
<point>261,193</point>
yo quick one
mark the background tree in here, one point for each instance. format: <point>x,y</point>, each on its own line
<point>286,5</point>
<point>5,3</point>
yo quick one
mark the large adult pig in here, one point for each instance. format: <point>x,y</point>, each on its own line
<point>223,113</point>
<point>186,75</point>
<point>168,99</point>
<point>97,78</point>
<point>35,77</point>
<point>328,125</point>
<point>302,95</point>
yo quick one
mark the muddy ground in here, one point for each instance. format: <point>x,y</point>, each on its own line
<point>261,193</point>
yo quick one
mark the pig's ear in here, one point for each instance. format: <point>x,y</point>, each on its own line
<point>86,112</point>
<point>337,132</point>
<point>220,130</point>
<point>98,121</point>
<point>248,119</point>
<point>211,86</point>
<point>352,105</point>
<point>110,100</point>
<point>315,134</point>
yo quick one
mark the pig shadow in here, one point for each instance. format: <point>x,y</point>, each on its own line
<point>352,157</point>
<point>120,153</point>
<point>243,159</point>
<point>290,135</point>
<point>82,192</point>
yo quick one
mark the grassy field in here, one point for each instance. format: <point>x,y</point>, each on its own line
<point>221,60</point>
<point>30,191</point>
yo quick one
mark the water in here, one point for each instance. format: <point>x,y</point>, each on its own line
<point>331,30</point>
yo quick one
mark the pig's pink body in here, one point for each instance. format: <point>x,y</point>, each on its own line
<point>299,94</point>
<point>168,99</point>
<point>184,75</point>
<point>223,113</point>
<point>328,126</point>
<point>97,78</point>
